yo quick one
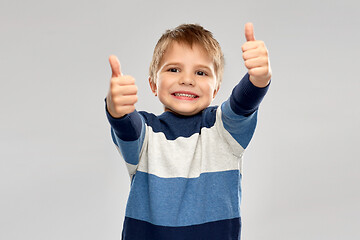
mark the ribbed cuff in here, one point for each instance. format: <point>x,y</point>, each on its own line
<point>128,127</point>
<point>246,97</point>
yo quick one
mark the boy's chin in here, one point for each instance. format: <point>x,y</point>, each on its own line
<point>182,113</point>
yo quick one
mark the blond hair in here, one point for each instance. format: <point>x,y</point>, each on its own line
<point>189,34</point>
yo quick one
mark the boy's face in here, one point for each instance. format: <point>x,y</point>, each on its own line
<point>186,79</point>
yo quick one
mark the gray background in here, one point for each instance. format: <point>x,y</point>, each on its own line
<point>60,174</point>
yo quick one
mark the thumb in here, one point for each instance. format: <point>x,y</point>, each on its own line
<point>115,66</point>
<point>249,32</point>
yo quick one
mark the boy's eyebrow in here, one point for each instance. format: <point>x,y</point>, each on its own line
<point>180,64</point>
<point>172,63</point>
<point>203,66</point>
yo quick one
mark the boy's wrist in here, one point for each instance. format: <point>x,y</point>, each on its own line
<point>110,114</point>
<point>260,82</point>
<point>246,97</point>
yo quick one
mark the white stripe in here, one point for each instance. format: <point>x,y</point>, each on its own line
<point>131,169</point>
<point>213,150</point>
<point>237,149</point>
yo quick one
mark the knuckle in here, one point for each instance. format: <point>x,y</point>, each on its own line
<point>265,61</point>
<point>135,89</point>
<point>129,79</point>
<point>243,47</point>
<point>263,71</point>
<point>266,70</point>
<point>130,109</point>
<point>122,80</point>
<point>264,52</point>
<point>260,72</point>
<point>117,103</point>
<point>244,56</point>
<point>136,98</point>
<point>119,109</point>
<point>114,81</point>
<point>114,93</point>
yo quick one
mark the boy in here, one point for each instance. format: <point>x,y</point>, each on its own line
<point>185,164</point>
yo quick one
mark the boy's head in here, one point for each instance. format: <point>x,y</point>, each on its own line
<point>189,34</point>
<point>186,69</point>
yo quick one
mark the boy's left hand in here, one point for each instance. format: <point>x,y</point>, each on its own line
<point>255,55</point>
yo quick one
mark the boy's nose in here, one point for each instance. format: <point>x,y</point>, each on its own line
<point>187,79</point>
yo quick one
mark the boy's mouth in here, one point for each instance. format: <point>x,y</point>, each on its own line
<point>185,95</point>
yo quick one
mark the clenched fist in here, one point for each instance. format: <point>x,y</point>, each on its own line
<point>122,94</point>
<point>256,58</point>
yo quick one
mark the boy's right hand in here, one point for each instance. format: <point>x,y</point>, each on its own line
<point>122,94</point>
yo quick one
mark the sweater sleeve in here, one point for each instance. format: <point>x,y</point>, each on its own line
<point>128,133</point>
<point>239,112</point>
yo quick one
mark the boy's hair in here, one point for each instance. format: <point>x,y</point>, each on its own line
<point>189,34</point>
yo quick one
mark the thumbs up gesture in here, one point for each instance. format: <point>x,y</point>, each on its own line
<point>122,94</point>
<point>256,58</point>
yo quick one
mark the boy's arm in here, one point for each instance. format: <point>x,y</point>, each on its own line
<point>128,134</point>
<point>127,126</point>
<point>239,112</point>
<point>246,97</point>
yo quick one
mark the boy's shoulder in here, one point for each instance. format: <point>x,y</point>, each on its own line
<point>174,125</point>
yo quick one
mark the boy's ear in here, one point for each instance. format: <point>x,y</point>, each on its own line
<point>153,86</point>
<point>216,90</point>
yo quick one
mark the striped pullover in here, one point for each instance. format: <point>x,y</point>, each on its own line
<point>186,171</point>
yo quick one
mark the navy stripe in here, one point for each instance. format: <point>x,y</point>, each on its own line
<point>246,98</point>
<point>128,127</point>
<point>174,126</point>
<point>219,230</point>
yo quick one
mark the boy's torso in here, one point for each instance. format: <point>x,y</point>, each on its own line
<point>188,176</point>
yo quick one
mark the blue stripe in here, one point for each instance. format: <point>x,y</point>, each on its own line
<point>240,127</point>
<point>185,201</point>
<point>219,230</point>
<point>174,126</point>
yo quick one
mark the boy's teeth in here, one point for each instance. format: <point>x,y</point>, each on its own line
<point>185,95</point>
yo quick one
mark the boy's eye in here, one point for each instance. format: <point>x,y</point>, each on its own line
<point>201,73</point>
<point>173,70</point>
